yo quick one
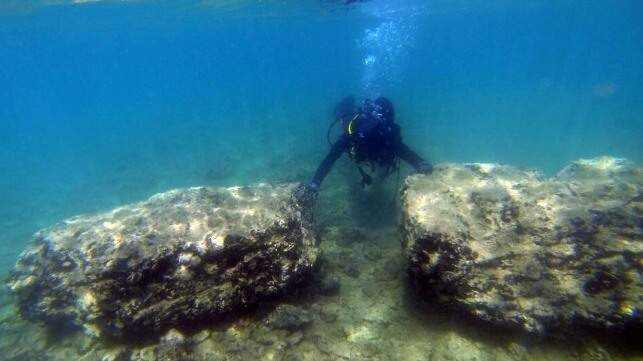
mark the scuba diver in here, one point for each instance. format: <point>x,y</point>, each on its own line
<point>370,137</point>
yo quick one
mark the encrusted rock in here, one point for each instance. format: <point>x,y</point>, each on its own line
<point>288,317</point>
<point>521,250</point>
<point>173,336</point>
<point>179,258</point>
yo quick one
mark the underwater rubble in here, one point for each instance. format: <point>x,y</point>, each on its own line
<point>523,251</point>
<point>181,258</point>
<point>238,273</point>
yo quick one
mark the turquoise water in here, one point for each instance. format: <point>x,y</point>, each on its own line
<point>106,103</point>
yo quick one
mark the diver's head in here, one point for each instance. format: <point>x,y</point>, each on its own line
<point>380,110</point>
<point>385,108</point>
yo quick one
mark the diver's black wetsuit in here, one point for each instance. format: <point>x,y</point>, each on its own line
<point>376,151</point>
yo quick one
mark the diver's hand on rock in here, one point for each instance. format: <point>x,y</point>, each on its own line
<point>305,195</point>
<point>307,192</point>
<point>425,168</point>
<point>312,186</point>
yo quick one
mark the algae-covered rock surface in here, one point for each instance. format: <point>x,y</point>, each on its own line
<point>355,306</point>
<point>521,250</point>
<point>181,258</point>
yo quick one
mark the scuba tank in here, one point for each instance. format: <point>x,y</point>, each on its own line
<point>344,110</point>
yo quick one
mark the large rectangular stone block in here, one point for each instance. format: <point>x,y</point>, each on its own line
<point>182,257</point>
<point>520,250</point>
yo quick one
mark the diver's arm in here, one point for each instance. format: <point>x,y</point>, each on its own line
<point>413,159</point>
<point>409,156</point>
<point>340,146</point>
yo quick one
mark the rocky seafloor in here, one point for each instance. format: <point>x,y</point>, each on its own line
<point>358,305</point>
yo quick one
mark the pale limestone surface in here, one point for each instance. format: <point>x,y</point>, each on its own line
<point>181,258</point>
<point>520,250</point>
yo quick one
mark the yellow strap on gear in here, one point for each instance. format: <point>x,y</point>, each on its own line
<point>350,124</point>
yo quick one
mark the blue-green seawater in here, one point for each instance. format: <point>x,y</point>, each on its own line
<point>108,103</point>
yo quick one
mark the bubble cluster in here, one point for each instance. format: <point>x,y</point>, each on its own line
<point>384,48</point>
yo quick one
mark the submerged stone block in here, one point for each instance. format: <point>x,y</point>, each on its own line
<point>182,257</point>
<point>520,250</point>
